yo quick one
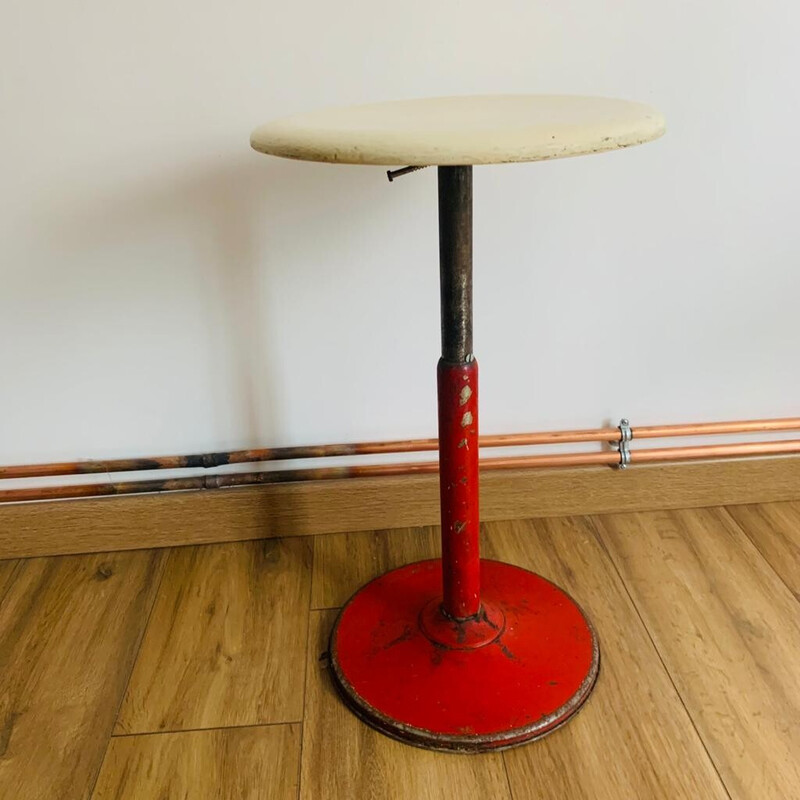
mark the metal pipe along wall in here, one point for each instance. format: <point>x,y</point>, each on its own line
<point>608,458</point>
<point>217,459</point>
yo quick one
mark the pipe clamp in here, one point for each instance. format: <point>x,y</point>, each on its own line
<point>624,447</point>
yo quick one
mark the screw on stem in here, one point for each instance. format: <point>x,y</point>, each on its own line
<point>391,174</point>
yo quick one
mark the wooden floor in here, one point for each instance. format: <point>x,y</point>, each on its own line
<point>196,672</point>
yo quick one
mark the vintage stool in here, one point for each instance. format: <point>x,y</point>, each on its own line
<point>461,654</point>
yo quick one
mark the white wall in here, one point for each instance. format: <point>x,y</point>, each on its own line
<point>164,289</point>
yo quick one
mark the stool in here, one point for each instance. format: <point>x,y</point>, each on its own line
<point>461,653</point>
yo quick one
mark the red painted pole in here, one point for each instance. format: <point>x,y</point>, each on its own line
<point>458,400</point>
<point>458,487</point>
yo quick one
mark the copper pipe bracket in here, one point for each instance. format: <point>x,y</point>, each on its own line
<point>624,443</point>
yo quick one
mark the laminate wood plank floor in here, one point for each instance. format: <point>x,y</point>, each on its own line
<point>774,529</point>
<point>728,630</point>
<point>253,763</point>
<point>197,672</point>
<point>70,628</point>
<point>344,562</point>
<point>7,570</point>
<point>227,639</point>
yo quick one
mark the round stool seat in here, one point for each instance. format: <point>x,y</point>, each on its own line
<point>455,131</point>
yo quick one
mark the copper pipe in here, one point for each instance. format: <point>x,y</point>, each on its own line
<point>651,455</point>
<point>550,437</point>
<point>100,489</point>
<point>209,460</point>
<point>610,457</point>
<point>713,428</point>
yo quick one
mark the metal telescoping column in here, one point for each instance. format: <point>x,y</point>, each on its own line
<point>457,376</point>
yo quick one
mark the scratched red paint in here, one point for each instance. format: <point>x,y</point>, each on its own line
<point>544,660</point>
<point>458,486</point>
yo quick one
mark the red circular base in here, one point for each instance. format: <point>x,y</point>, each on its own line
<point>523,667</point>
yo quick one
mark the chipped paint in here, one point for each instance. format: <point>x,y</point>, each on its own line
<point>458,439</point>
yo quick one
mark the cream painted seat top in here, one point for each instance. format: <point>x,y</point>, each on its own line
<point>443,131</point>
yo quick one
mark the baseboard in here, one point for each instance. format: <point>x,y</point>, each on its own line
<point>301,509</point>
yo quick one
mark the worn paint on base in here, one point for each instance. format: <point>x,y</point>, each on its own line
<point>511,689</point>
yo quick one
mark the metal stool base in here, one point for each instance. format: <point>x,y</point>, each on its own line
<point>512,674</point>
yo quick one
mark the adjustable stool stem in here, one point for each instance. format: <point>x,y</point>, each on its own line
<point>455,262</point>
<point>458,653</point>
<point>457,382</point>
